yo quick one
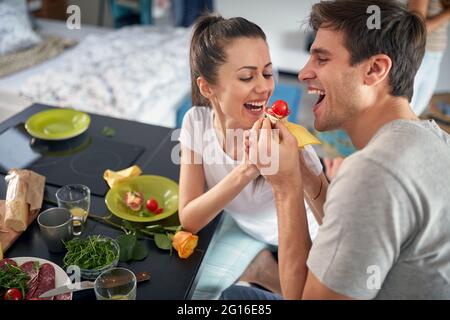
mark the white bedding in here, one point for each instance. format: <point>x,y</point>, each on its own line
<point>12,83</point>
<point>138,73</point>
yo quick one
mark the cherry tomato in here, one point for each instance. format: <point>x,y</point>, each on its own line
<point>159,210</point>
<point>13,294</point>
<point>280,108</point>
<point>152,205</point>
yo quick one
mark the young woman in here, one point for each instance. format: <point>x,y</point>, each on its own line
<point>436,14</point>
<point>232,81</point>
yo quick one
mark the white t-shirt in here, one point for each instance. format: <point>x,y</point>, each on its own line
<point>253,208</point>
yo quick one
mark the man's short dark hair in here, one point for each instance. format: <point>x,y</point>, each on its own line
<point>401,36</point>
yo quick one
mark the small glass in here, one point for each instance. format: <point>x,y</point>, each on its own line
<point>56,225</point>
<point>76,198</point>
<point>116,284</point>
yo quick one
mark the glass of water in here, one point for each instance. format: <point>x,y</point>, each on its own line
<point>116,284</point>
<point>76,198</point>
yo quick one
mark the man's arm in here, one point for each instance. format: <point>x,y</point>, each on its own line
<point>294,241</point>
<point>316,290</point>
<point>297,282</point>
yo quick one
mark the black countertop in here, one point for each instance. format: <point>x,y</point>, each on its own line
<point>171,277</point>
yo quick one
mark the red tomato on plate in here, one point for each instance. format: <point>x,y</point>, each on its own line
<point>13,294</point>
<point>152,205</point>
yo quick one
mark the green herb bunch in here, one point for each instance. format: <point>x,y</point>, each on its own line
<point>94,252</point>
<point>13,277</point>
<point>130,247</point>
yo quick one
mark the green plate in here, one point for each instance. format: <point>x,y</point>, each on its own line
<point>163,190</point>
<point>57,124</point>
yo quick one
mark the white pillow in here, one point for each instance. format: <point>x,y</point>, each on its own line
<point>15,28</point>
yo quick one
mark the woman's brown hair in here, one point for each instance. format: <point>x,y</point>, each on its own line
<point>210,36</point>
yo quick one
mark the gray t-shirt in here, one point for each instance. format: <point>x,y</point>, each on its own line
<point>386,231</point>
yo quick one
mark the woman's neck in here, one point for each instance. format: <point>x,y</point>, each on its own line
<point>230,137</point>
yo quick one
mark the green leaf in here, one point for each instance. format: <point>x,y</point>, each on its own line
<point>127,224</point>
<point>162,241</point>
<point>108,131</point>
<point>144,214</point>
<point>127,243</point>
<point>140,251</point>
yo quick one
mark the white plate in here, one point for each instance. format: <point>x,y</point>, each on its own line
<point>61,277</point>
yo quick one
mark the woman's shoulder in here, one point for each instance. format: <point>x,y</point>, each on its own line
<point>199,113</point>
<point>197,118</point>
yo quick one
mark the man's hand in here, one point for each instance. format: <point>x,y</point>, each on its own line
<point>275,153</point>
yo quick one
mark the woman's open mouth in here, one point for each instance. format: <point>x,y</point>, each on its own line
<point>255,107</point>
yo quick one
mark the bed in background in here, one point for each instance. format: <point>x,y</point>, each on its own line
<point>139,73</point>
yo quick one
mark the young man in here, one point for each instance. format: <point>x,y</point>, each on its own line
<point>386,230</point>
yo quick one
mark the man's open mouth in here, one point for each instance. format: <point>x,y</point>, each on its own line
<point>319,92</point>
<point>321,95</point>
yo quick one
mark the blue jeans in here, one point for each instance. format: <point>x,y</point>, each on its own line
<point>227,258</point>
<point>237,292</point>
<point>426,80</point>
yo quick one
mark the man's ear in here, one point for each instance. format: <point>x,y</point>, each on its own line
<point>205,88</point>
<point>377,70</point>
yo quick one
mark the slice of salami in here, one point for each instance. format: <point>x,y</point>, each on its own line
<point>30,268</point>
<point>7,260</point>
<point>46,280</point>
<point>64,296</point>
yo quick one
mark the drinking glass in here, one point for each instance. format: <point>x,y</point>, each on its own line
<point>76,198</point>
<point>116,284</point>
<point>56,225</point>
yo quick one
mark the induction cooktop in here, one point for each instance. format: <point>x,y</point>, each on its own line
<point>82,159</point>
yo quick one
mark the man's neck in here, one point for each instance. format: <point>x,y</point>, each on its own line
<point>365,124</point>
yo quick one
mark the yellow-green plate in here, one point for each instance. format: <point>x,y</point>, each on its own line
<point>163,190</point>
<point>57,124</point>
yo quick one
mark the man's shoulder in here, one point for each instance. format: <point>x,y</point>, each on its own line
<point>403,143</point>
<point>411,158</point>
<point>411,133</point>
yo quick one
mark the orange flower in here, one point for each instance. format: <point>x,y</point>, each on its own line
<point>184,242</point>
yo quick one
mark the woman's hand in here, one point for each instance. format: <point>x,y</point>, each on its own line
<point>332,166</point>
<point>311,181</point>
<point>249,169</point>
